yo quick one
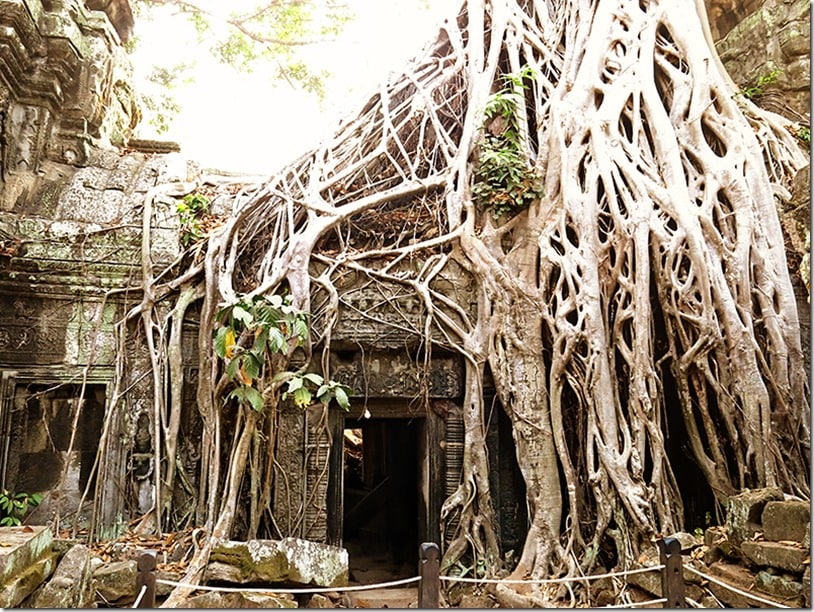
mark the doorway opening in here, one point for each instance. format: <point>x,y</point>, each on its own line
<point>38,454</point>
<point>381,512</point>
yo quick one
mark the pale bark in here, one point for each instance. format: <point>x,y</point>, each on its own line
<point>654,259</point>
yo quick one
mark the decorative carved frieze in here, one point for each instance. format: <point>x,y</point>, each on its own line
<point>64,81</point>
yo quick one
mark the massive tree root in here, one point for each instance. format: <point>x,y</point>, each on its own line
<point>644,287</point>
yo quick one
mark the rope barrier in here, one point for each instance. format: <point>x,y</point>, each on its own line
<point>634,604</point>
<point>140,596</point>
<point>640,570</point>
<point>735,590</point>
<point>360,587</point>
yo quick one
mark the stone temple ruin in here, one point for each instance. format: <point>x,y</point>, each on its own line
<point>73,183</point>
<point>72,186</point>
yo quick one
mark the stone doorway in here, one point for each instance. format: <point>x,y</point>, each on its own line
<point>49,438</point>
<point>384,513</point>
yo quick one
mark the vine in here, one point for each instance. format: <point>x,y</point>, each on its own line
<point>504,181</point>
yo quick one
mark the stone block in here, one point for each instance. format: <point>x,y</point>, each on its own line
<point>736,576</point>
<point>69,587</point>
<point>19,586</point>
<point>115,583</point>
<point>20,547</point>
<point>781,588</point>
<point>214,600</point>
<point>774,554</point>
<point>287,560</point>
<point>744,512</point>
<point>786,520</point>
<point>806,582</point>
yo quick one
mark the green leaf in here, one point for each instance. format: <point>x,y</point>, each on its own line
<point>342,398</point>
<point>255,398</point>
<point>294,384</point>
<point>313,378</point>
<point>277,342</point>
<point>225,342</point>
<point>242,315</point>
<point>302,397</point>
<point>251,365</point>
<point>233,369</point>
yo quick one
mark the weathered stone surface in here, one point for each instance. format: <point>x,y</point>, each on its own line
<point>737,576</point>
<point>20,547</point>
<point>774,554</point>
<point>774,36</point>
<point>320,601</point>
<point>238,600</point>
<point>650,582</point>
<point>116,582</point>
<point>290,560</point>
<point>384,598</point>
<point>786,521</point>
<point>744,512</point>
<point>783,589</point>
<point>19,586</point>
<point>807,587</point>
<point>687,540</point>
<point>70,585</point>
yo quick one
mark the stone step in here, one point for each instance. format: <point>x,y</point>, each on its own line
<point>385,598</point>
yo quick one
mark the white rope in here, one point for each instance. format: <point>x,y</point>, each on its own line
<point>640,570</point>
<point>140,595</point>
<point>736,590</point>
<point>361,587</point>
<point>634,604</point>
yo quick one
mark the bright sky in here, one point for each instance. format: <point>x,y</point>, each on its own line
<point>245,122</point>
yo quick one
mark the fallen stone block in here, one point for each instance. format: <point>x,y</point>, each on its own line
<point>269,561</point>
<point>70,584</point>
<point>21,585</point>
<point>782,589</point>
<point>20,547</point>
<point>774,554</point>
<point>26,560</point>
<point>744,512</point>
<point>115,583</point>
<point>786,520</point>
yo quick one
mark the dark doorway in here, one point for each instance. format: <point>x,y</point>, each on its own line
<point>381,500</point>
<point>39,455</point>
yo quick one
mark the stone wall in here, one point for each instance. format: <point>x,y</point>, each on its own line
<point>756,37</point>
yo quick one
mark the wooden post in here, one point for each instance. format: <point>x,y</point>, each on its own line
<point>429,565</point>
<point>146,578</point>
<point>672,575</point>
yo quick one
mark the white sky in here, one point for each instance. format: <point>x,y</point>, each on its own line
<point>245,122</point>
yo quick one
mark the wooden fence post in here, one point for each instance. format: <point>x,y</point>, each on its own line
<point>146,578</point>
<point>672,574</point>
<point>429,588</point>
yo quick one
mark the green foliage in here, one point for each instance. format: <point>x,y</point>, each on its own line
<point>14,506</point>
<point>804,135</point>
<point>265,34</point>
<point>302,388</point>
<point>190,211</point>
<point>158,100</point>
<point>504,181</point>
<point>755,91</point>
<point>254,328</point>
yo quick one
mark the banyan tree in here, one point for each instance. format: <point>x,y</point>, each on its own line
<point>591,167</point>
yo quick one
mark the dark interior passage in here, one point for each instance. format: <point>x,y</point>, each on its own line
<point>381,501</point>
<point>37,451</point>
